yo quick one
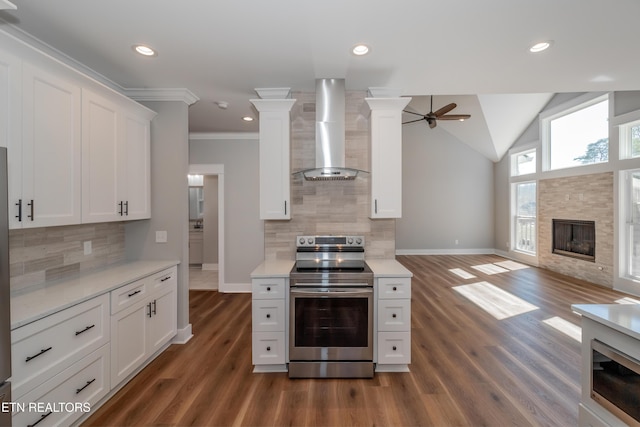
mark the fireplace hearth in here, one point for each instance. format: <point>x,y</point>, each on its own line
<point>575,238</point>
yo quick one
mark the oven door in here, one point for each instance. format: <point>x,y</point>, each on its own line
<point>331,324</point>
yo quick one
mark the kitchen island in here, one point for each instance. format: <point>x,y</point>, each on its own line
<point>610,334</point>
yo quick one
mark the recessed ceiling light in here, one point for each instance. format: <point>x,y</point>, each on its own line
<point>539,47</point>
<point>247,118</point>
<point>360,49</point>
<point>144,50</point>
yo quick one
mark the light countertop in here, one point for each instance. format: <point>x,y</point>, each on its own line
<point>624,318</point>
<point>380,268</point>
<point>388,268</point>
<point>271,268</point>
<point>36,302</point>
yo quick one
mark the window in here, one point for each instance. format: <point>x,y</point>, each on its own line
<point>632,223</point>
<point>577,135</point>
<point>523,163</point>
<point>524,231</point>
<point>630,140</point>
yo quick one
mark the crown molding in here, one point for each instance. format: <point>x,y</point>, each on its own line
<point>224,135</point>
<point>169,94</point>
<point>162,94</point>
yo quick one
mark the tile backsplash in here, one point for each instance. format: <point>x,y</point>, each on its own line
<point>44,254</point>
<point>329,207</point>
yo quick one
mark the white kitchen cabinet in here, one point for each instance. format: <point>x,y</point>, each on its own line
<point>10,99</point>
<point>143,322</point>
<point>45,163</point>
<point>269,323</point>
<point>275,169</point>
<point>393,321</point>
<point>386,156</point>
<point>77,388</point>
<point>115,159</point>
<point>44,348</point>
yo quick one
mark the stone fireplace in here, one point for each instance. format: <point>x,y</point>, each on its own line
<point>574,238</point>
<point>585,199</point>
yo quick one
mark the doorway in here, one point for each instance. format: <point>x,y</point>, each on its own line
<point>207,275</point>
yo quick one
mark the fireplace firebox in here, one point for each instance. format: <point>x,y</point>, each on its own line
<point>575,238</point>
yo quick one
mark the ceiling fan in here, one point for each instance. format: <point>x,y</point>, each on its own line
<point>431,117</point>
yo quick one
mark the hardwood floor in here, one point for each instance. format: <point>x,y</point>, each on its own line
<point>468,368</point>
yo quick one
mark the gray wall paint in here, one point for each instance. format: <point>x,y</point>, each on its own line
<point>210,220</point>
<point>243,229</point>
<point>447,194</point>
<point>169,199</point>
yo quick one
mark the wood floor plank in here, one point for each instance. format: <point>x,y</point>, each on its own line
<point>468,368</point>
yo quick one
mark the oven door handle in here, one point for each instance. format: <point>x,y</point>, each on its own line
<point>333,291</point>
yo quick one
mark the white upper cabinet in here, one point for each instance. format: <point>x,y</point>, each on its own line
<point>77,151</point>
<point>11,126</point>
<point>115,159</point>
<point>275,169</point>
<point>386,156</point>
<point>50,167</point>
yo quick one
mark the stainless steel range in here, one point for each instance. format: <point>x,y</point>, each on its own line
<point>331,309</point>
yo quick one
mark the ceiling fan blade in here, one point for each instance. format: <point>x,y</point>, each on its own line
<point>454,117</point>
<point>413,121</point>
<point>411,112</point>
<point>445,110</point>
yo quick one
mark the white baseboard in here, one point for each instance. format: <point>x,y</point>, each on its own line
<point>480,251</point>
<point>210,267</point>
<point>183,335</point>
<point>234,288</point>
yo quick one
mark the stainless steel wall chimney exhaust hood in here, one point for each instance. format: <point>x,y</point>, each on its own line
<point>330,133</point>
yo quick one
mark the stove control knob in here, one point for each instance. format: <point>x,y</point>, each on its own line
<point>310,240</point>
<point>350,240</point>
<point>301,240</point>
<point>358,241</point>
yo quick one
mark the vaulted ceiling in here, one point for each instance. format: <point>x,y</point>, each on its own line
<point>469,52</point>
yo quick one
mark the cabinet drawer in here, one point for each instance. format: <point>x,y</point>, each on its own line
<point>76,389</point>
<point>268,348</point>
<point>268,315</point>
<point>164,279</point>
<point>128,295</point>
<point>394,348</point>
<point>270,288</point>
<point>394,315</point>
<point>44,348</point>
<point>394,287</point>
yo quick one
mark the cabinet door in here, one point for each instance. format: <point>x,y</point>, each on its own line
<point>135,174</point>
<point>386,156</point>
<point>274,157</point>
<point>129,329</point>
<point>163,320</point>
<point>100,201</point>
<point>10,127</point>
<point>51,150</point>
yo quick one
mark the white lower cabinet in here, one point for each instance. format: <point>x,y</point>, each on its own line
<point>393,335</point>
<point>268,312</point>
<point>65,363</point>
<point>142,327</point>
<point>44,348</point>
<point>68,395</point>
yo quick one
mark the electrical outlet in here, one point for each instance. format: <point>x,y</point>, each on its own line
<point>87,247</point>
<point>456,241</point>
<point>161,237</point>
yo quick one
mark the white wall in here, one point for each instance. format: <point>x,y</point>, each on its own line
<point>169,199</point>
<point>447,192</point>
<point>243,229</point>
